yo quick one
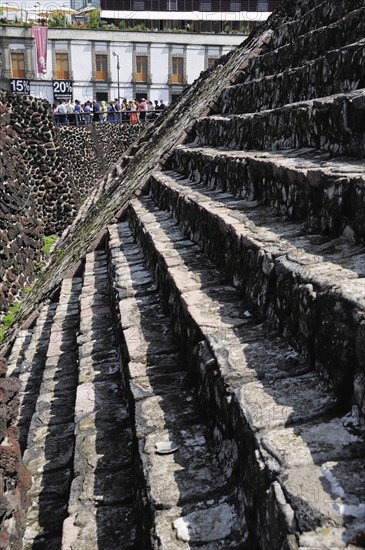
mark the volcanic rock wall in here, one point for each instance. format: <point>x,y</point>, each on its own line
<point>20,227</point>
<point>37,194</point>
<point>45,172</point>
<point>91,150</point>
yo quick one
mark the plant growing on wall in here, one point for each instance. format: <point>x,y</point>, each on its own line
<point>57,20</point>
<point>7,319</point>
<point>94,19</point>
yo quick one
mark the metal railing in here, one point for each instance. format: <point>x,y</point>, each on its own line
<point>100,117</point>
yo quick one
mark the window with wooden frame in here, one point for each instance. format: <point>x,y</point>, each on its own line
<point>62,66</point>
<point>100,66</point>
<point>177,70</point>
<point>211,61</point>
<point>17,65</point>
<point>141,68</point>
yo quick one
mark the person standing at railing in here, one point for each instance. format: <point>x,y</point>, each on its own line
<point>133,115</point>
<point>125,111</point>
<point>117,109</point>
<point>87,111</point>
<point>104,111</point>
<point>96,111</point>
<point>111,112</point>
<point>142,110</point>
<point>70,112</point>
<point>78,110</point>
<point>62,110</point>
<point>151,115</point>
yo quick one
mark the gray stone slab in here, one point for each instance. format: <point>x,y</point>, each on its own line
<point>187,475</point>
<point>107,527</point>
<point>198,528</point>
<point>143,342</point>
<point>54,409</point>
<point>104,488</point>
<point>173,412</point>
<point>153,384</point>
<point>39,530</point>
<point>285,401</point>
<point>102,446</point>
<point>316,442</point>
<point>49,448</point>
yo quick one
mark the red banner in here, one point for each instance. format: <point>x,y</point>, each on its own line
<point>40,35</point>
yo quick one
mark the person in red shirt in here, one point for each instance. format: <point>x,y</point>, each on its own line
<point>142,110</point>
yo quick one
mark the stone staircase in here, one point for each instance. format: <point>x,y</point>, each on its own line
<point>223,313</point>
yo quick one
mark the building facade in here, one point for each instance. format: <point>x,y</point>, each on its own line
<point>87,64</point>
<point>195,15</point>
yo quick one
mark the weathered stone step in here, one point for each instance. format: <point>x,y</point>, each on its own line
<point>306,48</point>
<point>100,508</point>
<point>327,194</point>
<point>315,292</point>
<point>274,420</point>
<point>339,70</point>
<point>332,124</point>
<point>27,362</point>
<point>193,502</point>
<point>49,453</point>
<point>313,17</point>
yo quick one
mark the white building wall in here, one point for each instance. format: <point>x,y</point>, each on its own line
<point>159,64</point>
<point>81,45</point>
<point>126,65</point>
<point>195,62</point>
<point>81,59</point>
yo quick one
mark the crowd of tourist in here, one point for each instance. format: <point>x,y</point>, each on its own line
<point>133,111</point>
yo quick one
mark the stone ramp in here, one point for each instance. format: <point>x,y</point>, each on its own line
<point>100,506</point>
<point>74,422</point>
<point>282,273</point>
<point>316,62</point>
<point>324,194</point>
<point>295,125</point>
<point>279,425</point>
<point>50,443</point>
<point>192,500</point>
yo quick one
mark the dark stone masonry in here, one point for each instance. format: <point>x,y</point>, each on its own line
<point>189,371</point>
<point>92,150</point>
<point>45,173</point>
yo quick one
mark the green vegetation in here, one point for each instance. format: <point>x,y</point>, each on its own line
<point>8,319</point>
<point>48,242</point>
<point>93,21</point>
<point>58,20</point>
